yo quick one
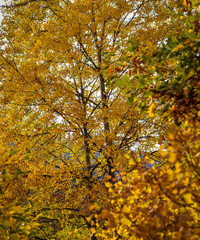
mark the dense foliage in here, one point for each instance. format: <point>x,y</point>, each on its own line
<point>99,122</point>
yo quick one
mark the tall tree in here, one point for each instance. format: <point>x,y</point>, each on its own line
<point>65,124</point>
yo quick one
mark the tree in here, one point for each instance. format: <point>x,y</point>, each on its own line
<point>66,126</point>
<point>163,202</point>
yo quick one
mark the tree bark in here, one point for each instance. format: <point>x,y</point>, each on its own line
<point>104,106</point>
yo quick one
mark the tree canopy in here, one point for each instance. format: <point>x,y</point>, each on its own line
<point>99,120</point>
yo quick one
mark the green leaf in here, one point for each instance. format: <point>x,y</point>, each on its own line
<point>27,156</point>
<point>13,236</point>
<point>4,227</point>
<point>123,81</point>
<point>12,152</point>
<point>134,45</point>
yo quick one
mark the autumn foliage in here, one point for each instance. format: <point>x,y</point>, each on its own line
<point>99,122</point>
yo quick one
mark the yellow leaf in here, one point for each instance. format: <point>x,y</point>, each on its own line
<point>92,207</point>
<point>35,224</point>
<point>112,201</point>
<point>171,136</point>
<point>175,191</point>
<point>126,222</point>
<point>162,151</point>
<point>151,108</point>
<point>185,3</point>
<point>127,156</point>
<point>93,230</point>
<point>89,218</point>
<point>170,175</point>
<point>28,227</point>
<point>133,238</point>
<point>119,183</point>
<point>172,157</point>
<point>178,167</point>
<point>131,161</point>
<point>126,209</point>
<point>17,209</point>
<point>110,190</point>
<point>188,198</point>
<point>178,47</point>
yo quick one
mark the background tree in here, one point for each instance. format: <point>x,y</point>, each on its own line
<point>163,202</point>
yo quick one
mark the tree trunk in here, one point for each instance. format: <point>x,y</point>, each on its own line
<point>104,106</point>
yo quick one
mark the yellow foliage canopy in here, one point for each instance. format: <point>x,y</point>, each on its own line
<point>76,159</point>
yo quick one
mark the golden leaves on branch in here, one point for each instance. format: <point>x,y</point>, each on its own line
<point>70,155</point>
